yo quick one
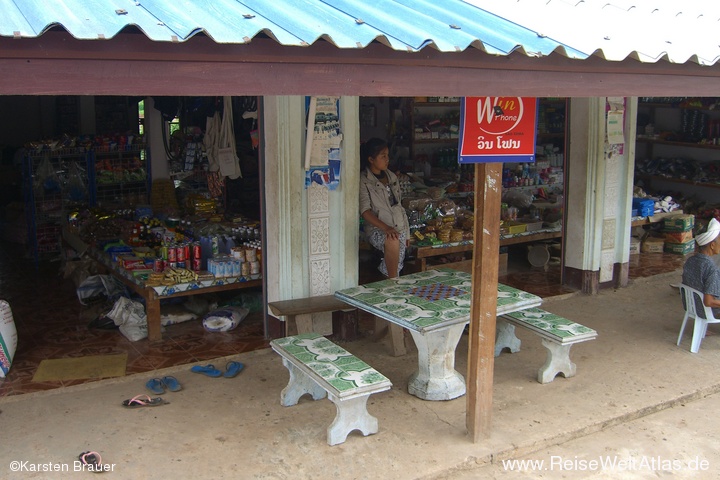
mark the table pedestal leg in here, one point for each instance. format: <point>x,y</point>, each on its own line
<point>436,378</point>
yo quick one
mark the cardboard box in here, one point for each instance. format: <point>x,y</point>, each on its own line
<point>679,223</point>
<point>634,245</point>
<point>680,248</point>
<point>653,245</point>
<point>679,237</point>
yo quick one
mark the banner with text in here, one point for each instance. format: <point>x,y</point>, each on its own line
<point>497,129</point>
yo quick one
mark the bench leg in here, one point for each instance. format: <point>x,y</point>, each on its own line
<point>436,378</point>
<point>351,415</point>
<point>299,385</point>
<point>558,361</point>
<point>506,338</point>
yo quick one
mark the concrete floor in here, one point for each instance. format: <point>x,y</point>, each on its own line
<point>236,428</point>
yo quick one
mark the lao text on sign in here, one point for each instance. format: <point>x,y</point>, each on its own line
<point>498,129</point>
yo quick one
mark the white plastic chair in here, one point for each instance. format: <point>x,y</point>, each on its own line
<point>695,308</point>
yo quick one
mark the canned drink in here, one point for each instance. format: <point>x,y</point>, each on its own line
<point>215,244</point>
<point>196,263</point>
<point>186,250</point>
<point>180,253</point>
<point>164,252</point>
<point>196,251</point>
<point>181,264</point>
<point>158,265</point>
<point>172,264</point>
<point>171,254</point>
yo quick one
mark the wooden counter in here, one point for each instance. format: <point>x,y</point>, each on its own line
<point>423,253</point>
<point>153,295</point>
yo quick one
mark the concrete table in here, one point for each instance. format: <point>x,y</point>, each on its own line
<point>435,307</point>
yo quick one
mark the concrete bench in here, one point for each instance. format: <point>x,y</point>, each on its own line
<point>319,367</point>
<point>558,334</point>
<point>298,310</point>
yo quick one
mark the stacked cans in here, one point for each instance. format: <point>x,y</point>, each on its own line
<point>179,255</point>
<point>249,262</point>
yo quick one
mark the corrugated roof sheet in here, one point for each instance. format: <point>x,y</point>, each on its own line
<point>678,32</point>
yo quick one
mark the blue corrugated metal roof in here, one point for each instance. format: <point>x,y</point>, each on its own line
<point>612,29</point>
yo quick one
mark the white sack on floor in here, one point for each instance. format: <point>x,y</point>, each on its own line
<point>130,317</point>
<point>8,338</point>
<point>224,319</point>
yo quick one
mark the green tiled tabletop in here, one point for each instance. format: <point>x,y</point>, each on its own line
<point>429,300</point>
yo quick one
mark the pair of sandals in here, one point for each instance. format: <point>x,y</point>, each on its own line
<point>231,370</point>
<point>159,385</point>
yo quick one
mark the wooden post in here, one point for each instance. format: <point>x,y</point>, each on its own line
<point>481,341</point>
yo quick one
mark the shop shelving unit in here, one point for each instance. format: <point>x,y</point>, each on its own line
<point>48,200</point>
<point>119,176</point>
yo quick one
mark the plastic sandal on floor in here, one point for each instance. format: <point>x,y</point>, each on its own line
<point>91,461</point>
<point>232,369</point>
<point>171,383</point>
<point>143,401</point>
<point>156,386</point>
<point>208,370</point>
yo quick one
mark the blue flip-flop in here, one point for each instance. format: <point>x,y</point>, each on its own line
<point>155,385</point>
<point>172,384</point>
<point>232,369</point>
<point>208,370</point>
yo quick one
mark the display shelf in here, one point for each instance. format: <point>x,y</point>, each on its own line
<point>119,176</point>
<point>49,189</point>
<point>655,141</point>
<point>678,180</point>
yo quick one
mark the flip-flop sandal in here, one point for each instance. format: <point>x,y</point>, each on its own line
<point>232,369</point>
<point>208,370</point>
<point>143,401</point>
<point>156,386</point>
<point>172,384</point>
<point>91,461</point>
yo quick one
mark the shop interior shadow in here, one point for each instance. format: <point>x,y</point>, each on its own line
<point>52,323</point>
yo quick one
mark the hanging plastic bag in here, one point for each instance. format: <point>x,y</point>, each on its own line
<point>76,189</point>
<point>227,155</point>
<point>46,180</point>
<point>210,141</point>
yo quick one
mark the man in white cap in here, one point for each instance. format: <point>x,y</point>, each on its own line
<point>700,271</point>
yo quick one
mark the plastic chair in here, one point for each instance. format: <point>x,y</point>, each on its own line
<point>695,308</point>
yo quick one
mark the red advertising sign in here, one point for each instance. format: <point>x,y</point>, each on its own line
<point>497,129</point>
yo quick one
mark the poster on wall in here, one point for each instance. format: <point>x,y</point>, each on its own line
<point>323,142</point>
<point>497,129</point>
<point>325,175</point>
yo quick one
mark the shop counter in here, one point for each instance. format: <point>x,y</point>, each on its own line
<point>153,295</point>
<point>423,253</point>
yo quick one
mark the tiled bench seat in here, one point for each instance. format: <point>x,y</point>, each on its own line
<point>558,334</point>
<point>319,367</point>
